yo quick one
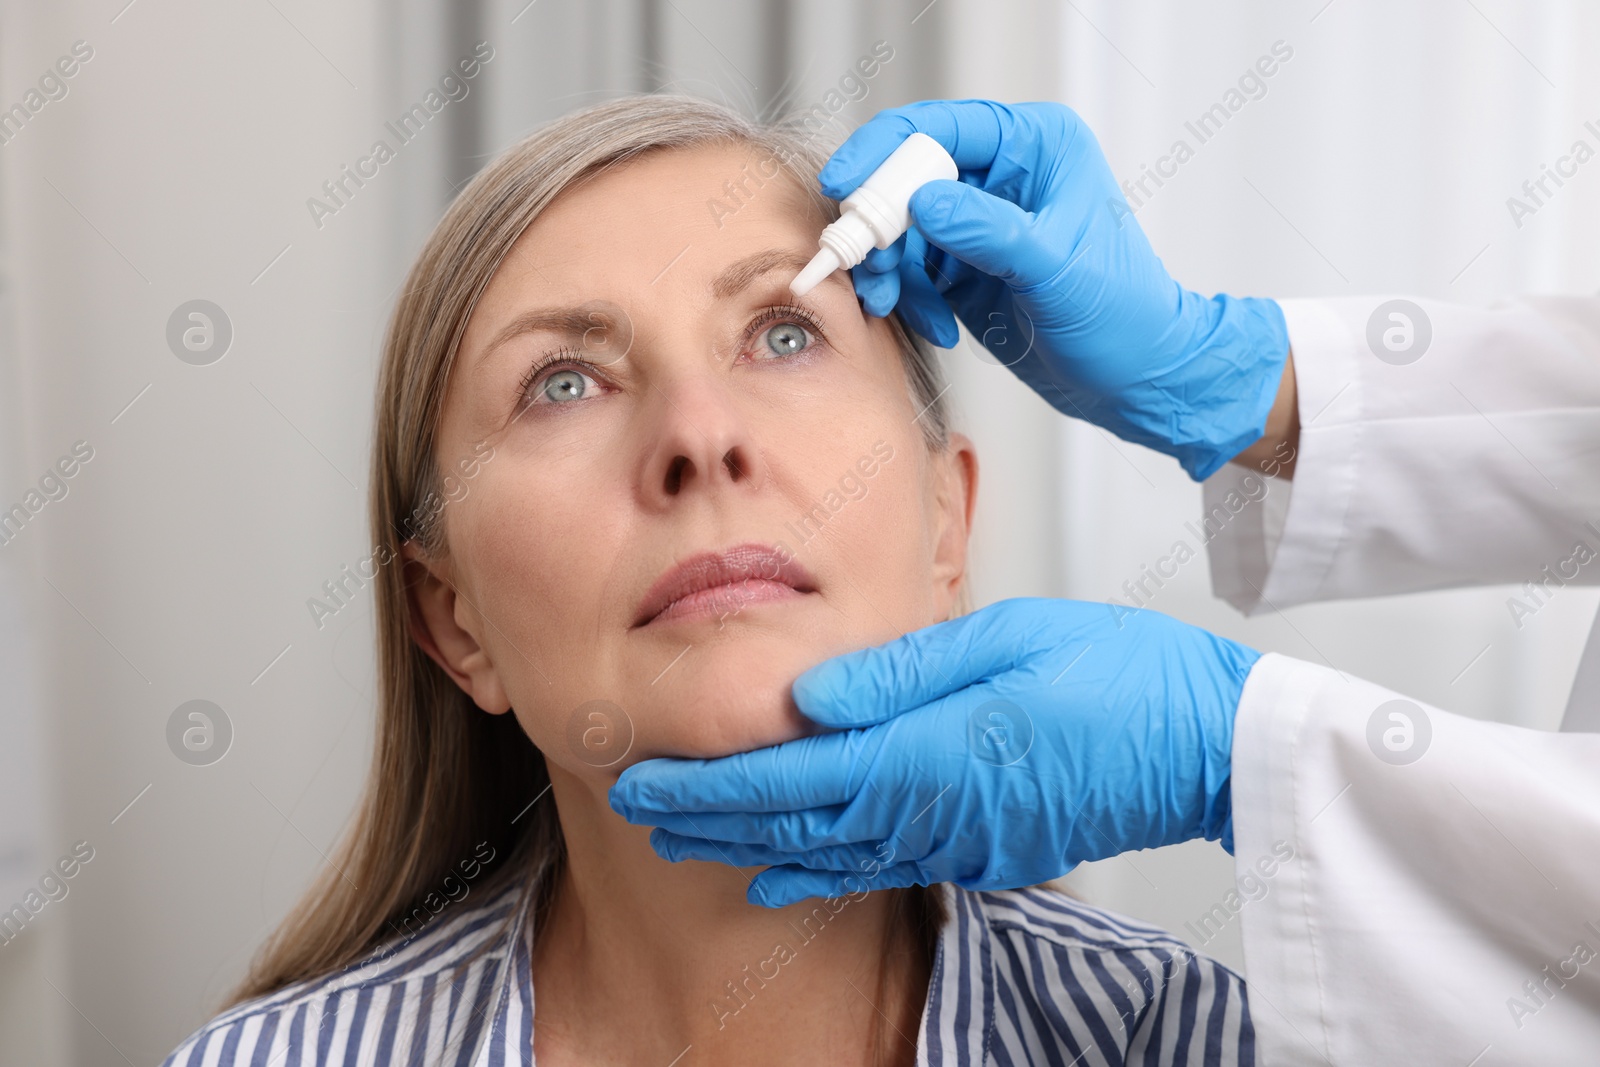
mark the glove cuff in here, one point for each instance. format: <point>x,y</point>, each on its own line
<point>1225,809</point>
<point>1217,772</point>
<point>1242,344</point>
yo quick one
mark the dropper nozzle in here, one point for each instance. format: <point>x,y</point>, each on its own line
<point>824,263</point>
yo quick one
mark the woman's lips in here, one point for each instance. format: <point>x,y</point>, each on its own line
<point>716,584</point>
<point>721,600</point>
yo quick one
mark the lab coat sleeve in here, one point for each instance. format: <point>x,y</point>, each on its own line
<point>1442,910</point>
<point>1477,462</point>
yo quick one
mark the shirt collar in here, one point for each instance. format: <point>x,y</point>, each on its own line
<point>959,1016</point>
<point>960,991</point>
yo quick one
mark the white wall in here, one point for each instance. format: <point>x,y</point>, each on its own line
<point>179,564</point>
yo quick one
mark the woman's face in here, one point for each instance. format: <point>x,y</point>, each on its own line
<point>686,487</point>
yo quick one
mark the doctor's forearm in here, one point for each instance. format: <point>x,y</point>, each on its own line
<point>1283,427</point>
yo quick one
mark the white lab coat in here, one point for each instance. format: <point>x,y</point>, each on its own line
<point>1447,910</point>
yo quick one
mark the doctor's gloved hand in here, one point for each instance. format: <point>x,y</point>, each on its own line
<point>1036,250</point>
<point>996,750</point>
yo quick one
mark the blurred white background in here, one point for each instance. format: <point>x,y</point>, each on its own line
<point>220,497</point>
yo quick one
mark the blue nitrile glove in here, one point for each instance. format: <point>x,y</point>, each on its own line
<point>1040,256</point>
<point>996,750</point>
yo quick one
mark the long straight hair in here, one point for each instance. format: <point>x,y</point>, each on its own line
<point>447,781</point>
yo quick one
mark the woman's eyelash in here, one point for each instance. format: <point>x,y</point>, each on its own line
<point>574,358</point>
<point>544,363</point>
<point>778,312</point>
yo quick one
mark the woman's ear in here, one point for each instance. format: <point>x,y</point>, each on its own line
<point>439,621</point>
<point>955,496</point>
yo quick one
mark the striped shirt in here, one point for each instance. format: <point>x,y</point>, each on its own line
<point>1020,977</point>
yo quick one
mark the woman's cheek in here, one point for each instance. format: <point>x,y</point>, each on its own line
<point>894,527</point>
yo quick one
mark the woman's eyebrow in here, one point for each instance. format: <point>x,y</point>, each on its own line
<point>584,319</point>
<point>576,320</point>
<point>742,273</point>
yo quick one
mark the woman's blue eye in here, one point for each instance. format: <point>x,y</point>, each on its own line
<point>787,338</point>
<point>564,386</point>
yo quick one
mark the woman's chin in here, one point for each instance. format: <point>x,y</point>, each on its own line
<point>733,700</point>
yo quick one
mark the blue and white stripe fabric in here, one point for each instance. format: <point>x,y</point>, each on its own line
<point>1021,977</point>
<point>1034,977</point>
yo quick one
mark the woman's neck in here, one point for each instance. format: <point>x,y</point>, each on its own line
<point>640,959</point>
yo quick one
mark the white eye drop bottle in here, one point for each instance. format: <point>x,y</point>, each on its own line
<point>879,211</point>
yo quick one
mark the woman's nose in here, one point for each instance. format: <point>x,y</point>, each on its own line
<point>704,441</point>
